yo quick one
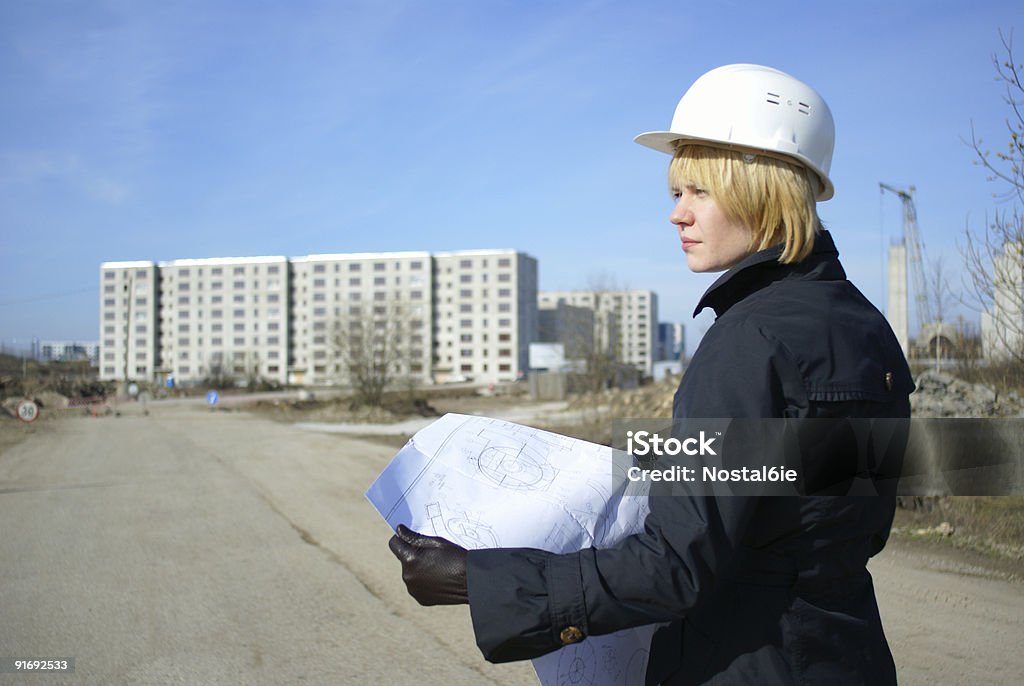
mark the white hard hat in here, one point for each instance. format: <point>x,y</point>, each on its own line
<point>748,106</point>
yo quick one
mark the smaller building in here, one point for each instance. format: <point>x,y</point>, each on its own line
<point>69,351</point>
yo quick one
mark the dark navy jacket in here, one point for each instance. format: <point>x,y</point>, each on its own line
<point>756,590</point>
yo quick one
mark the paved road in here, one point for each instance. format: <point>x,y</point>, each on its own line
<point>202,547</point>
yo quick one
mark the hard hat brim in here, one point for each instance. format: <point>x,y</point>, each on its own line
<point>666,142</point>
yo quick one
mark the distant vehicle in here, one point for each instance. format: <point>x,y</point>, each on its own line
<point>458,378</point>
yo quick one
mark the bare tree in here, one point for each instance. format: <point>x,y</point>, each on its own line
<point>940,299</point>
<point>377,346</point>
<point>994,256</point>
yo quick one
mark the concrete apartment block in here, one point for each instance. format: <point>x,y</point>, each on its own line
<point>449,316</point>
<point>1002,325</point>
<point>129,325</point>
<point>338,298</point>
<point>485,314</point>
<point>224,316</point>
<point>625,321</point>
<point>50,351</point>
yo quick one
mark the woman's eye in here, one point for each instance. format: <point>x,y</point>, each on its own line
<point>700,192</point>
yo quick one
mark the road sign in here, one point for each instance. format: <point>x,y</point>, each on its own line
<point>212,398</point>
<point>170,382</point>
<point>133,389</point>
<point>28,411</point>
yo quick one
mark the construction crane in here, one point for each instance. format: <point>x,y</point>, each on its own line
<point>912,241</point>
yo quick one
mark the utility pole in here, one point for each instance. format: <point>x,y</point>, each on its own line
<point>130,287</point>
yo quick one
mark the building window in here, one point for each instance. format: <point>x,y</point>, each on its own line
<point>109,275</point>
<point>319,283</point>
<point>465,278</point>
<point>504,323</point>
<point>504,307</point>
<point>238,270</point>
<point>504,277</point>
<point>379,266</point>
<point>182,328</point>
<point>466,293</point>
<point>319,268</point>
<point>504,367</point>
<point>379,281</point>
<point>239,326</point>
<point>465,307</point>
<point>238,313</point>
<point>504,262</point>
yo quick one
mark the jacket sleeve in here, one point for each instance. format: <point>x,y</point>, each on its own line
<point>523,600</point>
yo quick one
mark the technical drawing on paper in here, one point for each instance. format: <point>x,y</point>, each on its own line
<point>469,532</point>
<point>518,468</point>
<point>488,483</point>
<point>576,665</point>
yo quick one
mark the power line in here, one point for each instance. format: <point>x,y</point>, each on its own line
<point>49,296</point>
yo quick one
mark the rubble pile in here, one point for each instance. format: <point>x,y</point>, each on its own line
<point>942,395</point>
<point>652,400</point>
<point>937,395</point>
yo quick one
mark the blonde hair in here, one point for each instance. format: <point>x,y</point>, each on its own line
<point>774,198</point>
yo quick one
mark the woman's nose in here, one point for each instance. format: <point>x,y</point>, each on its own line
<point>681,214</point>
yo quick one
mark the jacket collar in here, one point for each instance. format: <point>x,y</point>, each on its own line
<point>762,268</point>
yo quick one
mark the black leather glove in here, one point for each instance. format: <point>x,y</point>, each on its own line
<point>433,569</point>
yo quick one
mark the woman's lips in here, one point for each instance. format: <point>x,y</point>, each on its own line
<point>689,243</point>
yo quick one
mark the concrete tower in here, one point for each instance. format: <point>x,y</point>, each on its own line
<point>897,310</point>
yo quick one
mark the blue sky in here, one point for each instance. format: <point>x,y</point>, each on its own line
<point>161,130</point>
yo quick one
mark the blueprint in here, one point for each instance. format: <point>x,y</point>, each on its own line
<point>489,483</point>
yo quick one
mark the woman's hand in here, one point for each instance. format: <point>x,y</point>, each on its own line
<point>433,569</point>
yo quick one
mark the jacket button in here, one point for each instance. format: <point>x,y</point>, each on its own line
<point>570,634</point>
<point>888,381</point>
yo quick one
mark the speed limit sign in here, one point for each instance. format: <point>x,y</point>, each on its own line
<point>28,411</point>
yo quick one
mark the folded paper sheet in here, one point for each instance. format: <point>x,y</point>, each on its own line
<point>488,483</point>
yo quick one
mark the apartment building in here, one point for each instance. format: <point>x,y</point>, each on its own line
<point>625,321</point>
<point>224,317</point>
<point>485,314</point>
<point>438,317</point>
<point>129,321</point>
<point>349,306</point>
<point>64,351</point>
<point>1002,325</point>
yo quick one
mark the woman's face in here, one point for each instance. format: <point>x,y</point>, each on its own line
<point>712,241</point>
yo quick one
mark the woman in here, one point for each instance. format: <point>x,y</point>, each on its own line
<point>758,590</point>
